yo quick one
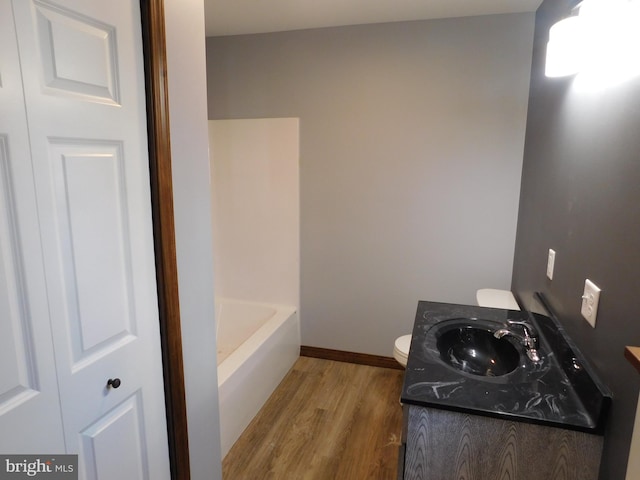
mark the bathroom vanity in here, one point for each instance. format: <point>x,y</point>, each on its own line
<point>476,406</point>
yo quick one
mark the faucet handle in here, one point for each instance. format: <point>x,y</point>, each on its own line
<point>530,340</point>
<point>529,329</point>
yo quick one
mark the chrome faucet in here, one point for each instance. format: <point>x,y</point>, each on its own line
<point>529,339</point>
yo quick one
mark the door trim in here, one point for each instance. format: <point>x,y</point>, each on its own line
<point>157,97</point>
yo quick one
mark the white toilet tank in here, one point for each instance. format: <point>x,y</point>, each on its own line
<point>490,297</point>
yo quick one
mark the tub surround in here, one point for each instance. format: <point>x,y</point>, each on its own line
<point>561,390</point>
<point>255,207</point>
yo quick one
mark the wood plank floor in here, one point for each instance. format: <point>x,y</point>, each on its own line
<point>326,420</point>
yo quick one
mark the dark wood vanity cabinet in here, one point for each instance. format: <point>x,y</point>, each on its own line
<point>446,445</point>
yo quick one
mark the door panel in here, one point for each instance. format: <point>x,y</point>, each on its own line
<point>88,178</point>
<point>18,382</point>
<point>78,53</point>
<point>30,420</point>
<point>84,89</point>
<point>124,428</point>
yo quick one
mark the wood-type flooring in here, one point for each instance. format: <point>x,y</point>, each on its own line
<point>327,420</point>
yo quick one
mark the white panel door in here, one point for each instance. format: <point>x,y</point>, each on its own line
<point>30,420</point>
<point>84,88</point>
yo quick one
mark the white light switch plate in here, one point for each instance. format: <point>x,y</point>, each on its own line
<point>551,261</point>
<point>590,300</point>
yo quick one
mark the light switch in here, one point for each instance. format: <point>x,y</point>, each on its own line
<point>551,262</point>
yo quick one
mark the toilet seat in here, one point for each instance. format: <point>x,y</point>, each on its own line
<point>401,349</point>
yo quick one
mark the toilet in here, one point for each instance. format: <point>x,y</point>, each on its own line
<point>491,297</point>
<point>486,297</point>
<point>401,349</point>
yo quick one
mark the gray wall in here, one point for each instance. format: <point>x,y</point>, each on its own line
<point>411,152</point>
<point>581,197</point>
<point>192,207</point>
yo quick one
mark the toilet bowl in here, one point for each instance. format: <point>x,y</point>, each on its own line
<point>486,297</point>
<point>401,349</point>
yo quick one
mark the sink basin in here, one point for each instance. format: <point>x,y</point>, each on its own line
<point>474,349</point>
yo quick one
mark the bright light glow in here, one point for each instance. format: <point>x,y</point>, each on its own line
<point>565,48</point>
<point>612,41</point>
<point>602,43</point>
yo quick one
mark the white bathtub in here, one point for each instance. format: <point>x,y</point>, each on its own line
<point>257,345</point>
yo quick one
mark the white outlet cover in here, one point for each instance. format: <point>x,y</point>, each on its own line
<point>551,261</point>
<point>590,300</point>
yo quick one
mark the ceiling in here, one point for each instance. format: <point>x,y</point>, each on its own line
<point>236,17</point>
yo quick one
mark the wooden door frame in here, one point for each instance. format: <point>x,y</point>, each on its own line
<point>157,97</point>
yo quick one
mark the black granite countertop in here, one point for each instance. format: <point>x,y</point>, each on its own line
<point>560,390</point>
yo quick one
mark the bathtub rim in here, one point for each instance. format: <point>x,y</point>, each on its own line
<point>235,359</point>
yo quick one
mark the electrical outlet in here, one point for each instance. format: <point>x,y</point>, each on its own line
<point>590,300</point>
<point>551,261</point>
